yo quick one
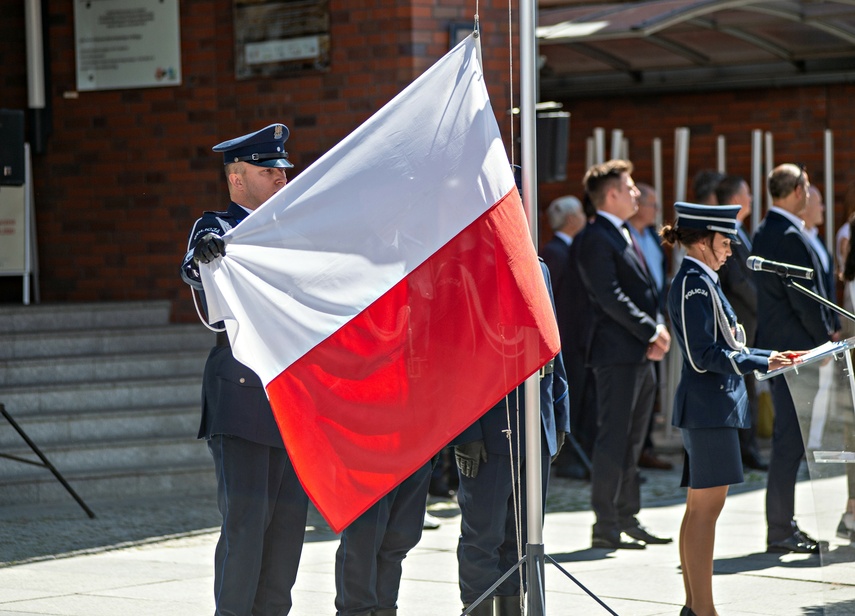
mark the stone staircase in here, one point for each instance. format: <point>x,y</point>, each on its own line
<point>110,393</point>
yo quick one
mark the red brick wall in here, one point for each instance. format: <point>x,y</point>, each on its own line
<point>125,173</point>
<point>797,118</point>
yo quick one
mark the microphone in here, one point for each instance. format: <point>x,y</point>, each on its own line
<point>785,270</point>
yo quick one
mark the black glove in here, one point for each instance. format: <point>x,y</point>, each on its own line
<point>209,248</point>
<point>559,442</point>
<point>469,457</point>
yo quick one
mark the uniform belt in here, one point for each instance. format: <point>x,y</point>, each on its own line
<point>548,368</point>
<point>222,339</point>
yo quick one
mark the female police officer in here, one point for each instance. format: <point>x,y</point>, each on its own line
<point>710,403</point>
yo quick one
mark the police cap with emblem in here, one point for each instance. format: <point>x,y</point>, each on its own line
<point>263,148</point>
<point>721,218</point>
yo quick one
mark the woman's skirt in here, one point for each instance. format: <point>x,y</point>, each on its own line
<point>713,457</point>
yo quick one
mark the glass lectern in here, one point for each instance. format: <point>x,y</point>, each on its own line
<point>823,391</point>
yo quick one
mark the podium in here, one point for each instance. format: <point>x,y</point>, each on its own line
<point>823,390</point>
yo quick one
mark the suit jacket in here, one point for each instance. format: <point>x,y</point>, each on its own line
<point>554,410</point>
<point>787,319</point>
<point>737,282</point>
<point>572,306</point>
<point>556,254</point>
<point>624,299</point>
<point>711,392</point>
<point>829,290</point>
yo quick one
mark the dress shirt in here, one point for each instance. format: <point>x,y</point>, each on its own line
<point>818,247</point>
<point>652,251</point>
<point>563,237</point>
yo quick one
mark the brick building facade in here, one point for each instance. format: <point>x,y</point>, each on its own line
<point>126,172</point>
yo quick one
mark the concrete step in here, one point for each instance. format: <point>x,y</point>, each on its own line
<point>42,487</point>
<point>102,395</point>
<point>56,429</point>
<point>94,368</point>
<point>94,457</point>
<point>110,393</point>
<point>165,338</point>
<point>65,317</point>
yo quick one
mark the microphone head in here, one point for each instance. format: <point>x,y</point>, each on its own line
<point>754,263</point>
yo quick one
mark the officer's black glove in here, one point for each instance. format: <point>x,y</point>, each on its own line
<point>469,457</point>
<point>209,248</point>
<point>559,442</point>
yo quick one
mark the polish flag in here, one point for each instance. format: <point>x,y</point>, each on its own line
<point>390,294</point>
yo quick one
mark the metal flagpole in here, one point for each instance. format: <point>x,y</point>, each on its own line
<point>536,595</point>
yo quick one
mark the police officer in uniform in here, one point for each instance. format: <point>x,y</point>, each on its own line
<point>710,404</point>
<point>488,546</point>
<point>262,503</point>
<point>368,562</point>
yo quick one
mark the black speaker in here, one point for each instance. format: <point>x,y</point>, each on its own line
<point>11,147</point>
<point>553,136</point>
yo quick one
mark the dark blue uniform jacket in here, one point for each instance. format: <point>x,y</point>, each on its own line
<point>234,402</point>
<point>711,392</point>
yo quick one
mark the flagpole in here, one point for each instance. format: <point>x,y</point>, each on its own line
<point>536,595</point>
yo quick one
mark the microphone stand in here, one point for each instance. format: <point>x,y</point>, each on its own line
<point>819,298</point>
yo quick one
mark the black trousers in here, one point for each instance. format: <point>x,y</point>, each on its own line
<point>488,548</point>
<point>787,453</point>
<point>625,397</point>
<point>372,548</point>
<point>264,510</point>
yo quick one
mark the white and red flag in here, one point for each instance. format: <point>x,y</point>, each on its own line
<point>390,294</point>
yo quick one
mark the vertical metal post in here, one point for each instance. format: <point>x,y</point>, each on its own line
<point>528,98</point>
<point>721,156</point>
<point>657,177</point>
<point>681,163</point>
<point>617,143</point>
<point>770,163</point>
<point>829,193</point>
<point>599,145</point>
<point>758,186</point>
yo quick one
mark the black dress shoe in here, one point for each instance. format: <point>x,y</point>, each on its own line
<point>823,545</point>
<point>687,611</point>
<point>797,543</point>
<point>616,541</point>
<point>642,534</point>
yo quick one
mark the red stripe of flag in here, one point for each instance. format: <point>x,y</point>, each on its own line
<point>366,407</point>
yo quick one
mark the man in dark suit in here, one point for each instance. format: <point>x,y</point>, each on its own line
<point>262,503</point>
<point>788,320</point>
<point>642,225</point>
<point>573,311</point>
<point>737,282</point>
<point>628,334</point>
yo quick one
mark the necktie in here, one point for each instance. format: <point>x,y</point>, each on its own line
<point>629,236</point>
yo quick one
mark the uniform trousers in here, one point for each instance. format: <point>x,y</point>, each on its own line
<point>488,542</point>
<point>264,510</point>
<point>372,548</point>
<point>625,398</point>
<point>787,453</point>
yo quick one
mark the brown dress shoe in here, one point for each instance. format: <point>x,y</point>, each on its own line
<point>649,460</point>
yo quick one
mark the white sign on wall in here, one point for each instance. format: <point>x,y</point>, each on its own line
<point>127,44</point>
